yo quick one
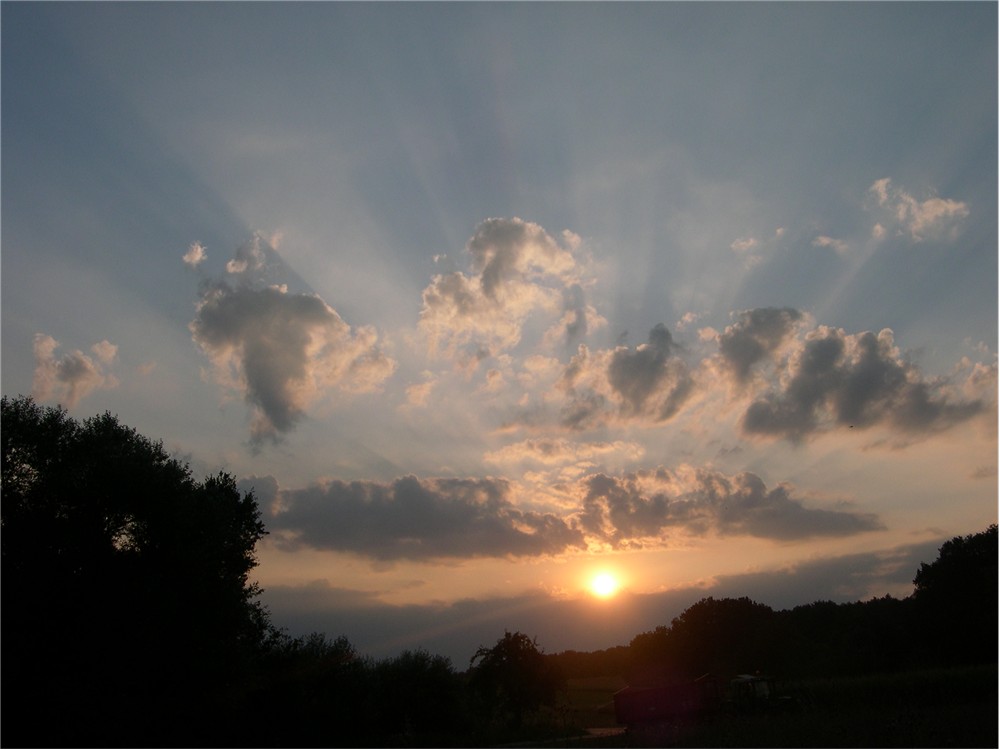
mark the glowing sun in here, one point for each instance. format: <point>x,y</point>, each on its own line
<point>604,585</point>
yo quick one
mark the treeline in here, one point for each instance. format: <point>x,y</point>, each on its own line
<point>129,619</point>
<point>949,620</point>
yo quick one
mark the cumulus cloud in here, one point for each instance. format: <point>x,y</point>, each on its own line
<point>639,507</point>
<point>72,376</point>
<point>853,380</point>
<point>283,351</point>
<point>648,383</point>
<point>933,218</point>
<point>415,518</point>
<point>755,337</point>
<point>419,519</point>
<point>195,255</point>
<point>517,270</point>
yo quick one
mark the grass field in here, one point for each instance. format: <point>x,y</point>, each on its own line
<point>931,708</point>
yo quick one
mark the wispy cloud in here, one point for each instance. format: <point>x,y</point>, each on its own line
<point>899,211</point>
<point>553,451</point>
<point>838,246</point>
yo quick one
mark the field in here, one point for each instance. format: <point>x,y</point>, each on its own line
<point>932,708</point>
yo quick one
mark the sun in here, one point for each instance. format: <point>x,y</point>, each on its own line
<point>604,585</point>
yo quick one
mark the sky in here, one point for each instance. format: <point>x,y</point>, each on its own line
<point>482,300</point>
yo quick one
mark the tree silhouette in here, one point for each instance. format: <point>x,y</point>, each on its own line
<point>512,678</point>
<point>956,599</point>
<point>721,636</point>
<point>417,695</point>
<point>126,592</point>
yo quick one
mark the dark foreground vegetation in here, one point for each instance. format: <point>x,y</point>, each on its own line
<point>130,619</point>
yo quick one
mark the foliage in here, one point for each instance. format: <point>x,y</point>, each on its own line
<point>125,582</point>
<point>512,678</point>
<point>609,661</point>
<point>310,689</point>
<point>712,636</point>
<point>956,599</point>
<point>417,694</point>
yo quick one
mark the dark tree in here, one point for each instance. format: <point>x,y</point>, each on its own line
<point>513,678</point>
<point>718,636</point>
<point>417,697</point>
<point>314,692</point>
<point>956,599</point>
<point>128,610</point>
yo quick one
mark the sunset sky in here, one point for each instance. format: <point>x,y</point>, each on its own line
<point>483,300</point>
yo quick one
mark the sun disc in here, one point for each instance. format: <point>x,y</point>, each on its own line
<point>604,585</point>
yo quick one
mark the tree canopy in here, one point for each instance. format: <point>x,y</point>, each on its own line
<point>126,586</point>
<point>956,598</point>
<point>513,677</point>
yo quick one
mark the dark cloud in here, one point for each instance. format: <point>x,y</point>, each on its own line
<point>649,369</point>
<point>644,505</point>
<point>575,309</point>
<point>418,519</point>
<point>853,380</point>
<point>584,411</point>
<point>754,336</point>
<point>282,351</point>
<point>649,382</point>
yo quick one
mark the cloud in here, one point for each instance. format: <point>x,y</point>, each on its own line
<point>649,383</point>
<point>838,246</point>
<point>577,320</point>
<point>416,519</point>
<point>743,244</point>
<point>73,376</point>
<point>552,451</point>
<point>195,255</point>
<point>281,351</point>
<point>687,319</point>
<point>755,337</point>
<point>632,509</point>
<point>249,257</point>
<point>517,270</point>
<point>933,218</point>
<point>417,394</point>
<point>853,380</point>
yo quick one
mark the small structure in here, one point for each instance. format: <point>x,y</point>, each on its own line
<point>677,703</point>
<point>752,693</point>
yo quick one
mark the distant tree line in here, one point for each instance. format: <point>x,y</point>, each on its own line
<point>129,619</point>
<point>949,620</point>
